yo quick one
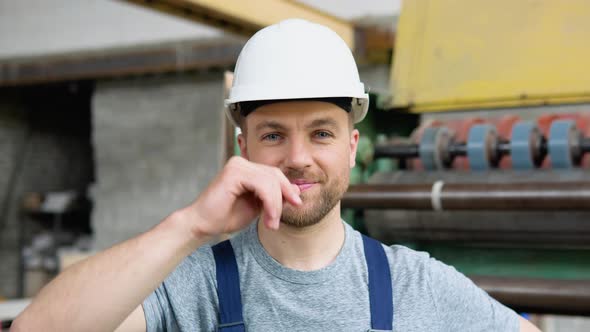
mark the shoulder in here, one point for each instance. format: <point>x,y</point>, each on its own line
<point>199,265</point>
<point>203,256</point>
<point>411,272</point>
<point>418,270</point>
<point>459,304</point>
<point>399,254</point>
<point>404,259</point>
<point>409,263</point>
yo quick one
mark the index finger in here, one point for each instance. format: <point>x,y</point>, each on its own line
<point>289,191</point>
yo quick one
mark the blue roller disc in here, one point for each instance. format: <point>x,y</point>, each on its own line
<point>521,150</point>
<point>478,152</point>
<point>427,148</point>
<point>560,150</point>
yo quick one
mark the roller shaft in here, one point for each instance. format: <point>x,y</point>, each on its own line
<point>471,196</point>
<point>412,150</point>
<point>396,151</point>
<point>585,145</point>
<point>569,297</point>
<point>502,148</point>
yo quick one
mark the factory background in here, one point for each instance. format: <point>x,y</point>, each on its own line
<point>111,117</point>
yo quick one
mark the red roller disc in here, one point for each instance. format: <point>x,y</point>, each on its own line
<point>583,123</point>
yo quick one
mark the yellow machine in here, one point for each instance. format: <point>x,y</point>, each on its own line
<point>473,54</point>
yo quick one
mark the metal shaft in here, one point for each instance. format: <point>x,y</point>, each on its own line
<point>471,196</point>
<point>585,144</point>
<point>458,149</point>
<point>569,297</point>
<point>396,151</point>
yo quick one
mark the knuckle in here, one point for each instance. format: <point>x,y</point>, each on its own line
<point>234,161</point>
<point>235,165</point>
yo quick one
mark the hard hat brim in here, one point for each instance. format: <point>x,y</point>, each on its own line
<point>359,107</point>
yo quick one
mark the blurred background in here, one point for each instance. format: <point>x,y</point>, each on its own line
<point>474,149</point>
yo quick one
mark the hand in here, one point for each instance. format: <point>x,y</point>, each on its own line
<point>240,192</point>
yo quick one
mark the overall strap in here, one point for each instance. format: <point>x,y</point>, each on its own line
<point>380,285</point>
<point>228,288</point>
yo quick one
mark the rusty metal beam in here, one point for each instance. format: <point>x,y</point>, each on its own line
<point>248,16</point>
<point>471,196</point>
<point>173,57</point>
<point>569,297</point>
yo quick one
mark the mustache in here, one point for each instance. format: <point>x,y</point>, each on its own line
<point>295,174</point>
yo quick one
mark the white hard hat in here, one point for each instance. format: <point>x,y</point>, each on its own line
<point>296,59</point>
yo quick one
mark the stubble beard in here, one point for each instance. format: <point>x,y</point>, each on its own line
<point>330,194</point>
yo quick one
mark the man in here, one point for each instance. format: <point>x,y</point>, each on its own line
<point>299,267</point>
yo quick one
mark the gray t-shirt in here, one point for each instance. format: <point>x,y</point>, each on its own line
<point>427,294</point>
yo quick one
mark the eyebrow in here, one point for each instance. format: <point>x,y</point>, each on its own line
<point>274,125</point>
<point>322,122</point>
<point>270,125</point>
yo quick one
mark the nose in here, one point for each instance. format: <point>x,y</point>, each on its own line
<point>298,154</point>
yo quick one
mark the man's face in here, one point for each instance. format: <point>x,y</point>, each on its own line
<point>313,144</point>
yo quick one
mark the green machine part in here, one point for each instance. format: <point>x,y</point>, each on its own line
<point>563,264</point>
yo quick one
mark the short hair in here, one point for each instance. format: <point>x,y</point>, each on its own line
<point>247,107</point>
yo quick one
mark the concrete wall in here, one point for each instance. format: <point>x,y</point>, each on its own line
<point>157,144</point>
<point>44,142</point>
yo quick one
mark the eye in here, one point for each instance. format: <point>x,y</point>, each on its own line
<point>273,137</point>
<point>323,134</point>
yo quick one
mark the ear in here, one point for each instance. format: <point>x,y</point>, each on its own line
<point>354,142</point>
<point>243,146</point>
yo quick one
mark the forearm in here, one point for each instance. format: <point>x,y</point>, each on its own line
<point>100,292</point>
<point>526,326</point>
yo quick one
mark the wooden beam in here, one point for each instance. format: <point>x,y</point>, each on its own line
<point>248,16</point>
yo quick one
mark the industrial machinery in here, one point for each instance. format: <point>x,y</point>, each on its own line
<point>493,179</point>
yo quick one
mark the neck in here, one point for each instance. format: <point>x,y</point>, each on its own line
<point>305,249</point>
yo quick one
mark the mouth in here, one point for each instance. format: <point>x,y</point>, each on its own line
<point>303,184</point>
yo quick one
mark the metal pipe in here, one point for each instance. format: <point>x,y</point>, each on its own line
<point>585,144</point>
<point>458,150</point>
<point>563,229</point>
<point>503,148</point>
<point>570,297</point>
<point>408,196</point>
<point>471,196</point>
<point>396,151</point>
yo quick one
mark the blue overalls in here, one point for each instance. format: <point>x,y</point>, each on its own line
<point>230,302</point>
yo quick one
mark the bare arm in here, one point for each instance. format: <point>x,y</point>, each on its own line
<point>526,326</point>
<point>99,293</point>
<point>134,322</point>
